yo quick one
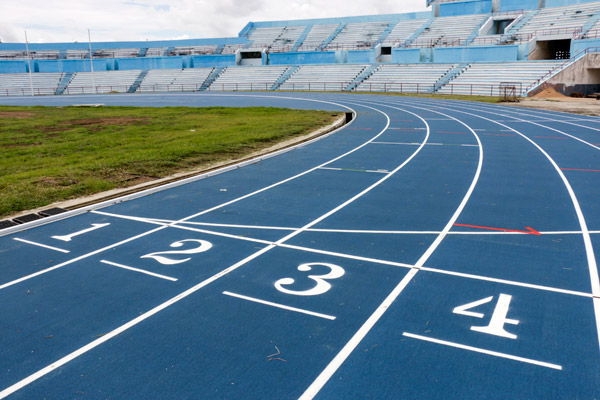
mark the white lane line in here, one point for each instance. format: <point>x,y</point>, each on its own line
<point>143,271</point>
<point>359,231</point>
<point>538,123</point>
<point>44,271</point>
<point>345,352</point>
<point>507,282</point>
<point>41,245</point>
<point>44,371</point>
<point>483,351</point>
<point>70,357</point>
<point>587,239</point>
<point>378,171</point>
<point>22,279</point>
<point>368,259</point>
<point>282,306</point>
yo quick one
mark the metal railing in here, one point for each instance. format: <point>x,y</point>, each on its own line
<point>561,67</point>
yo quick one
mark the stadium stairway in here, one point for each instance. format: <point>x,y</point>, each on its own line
<point>451,74</point>
<point>211,78</point>
<point>143,51</point>
<point>332,36</point>
<point>219,49</point>
<point>418,32</point>
<point>509,35</point>
<point>589,24</point>
<point>64,82</point>
<point>387,31</point>
<point>285,76</point>
<point>62,54</point>
<point>138,81</point>
<point>370,70</point>
<point>302,37</point>
<point>475,32</point>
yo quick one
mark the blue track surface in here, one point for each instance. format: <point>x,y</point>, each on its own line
<point>398,258</point>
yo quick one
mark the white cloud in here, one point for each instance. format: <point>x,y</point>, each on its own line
<point>122,20</point>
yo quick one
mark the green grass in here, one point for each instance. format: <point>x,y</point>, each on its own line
<point>51,154</point>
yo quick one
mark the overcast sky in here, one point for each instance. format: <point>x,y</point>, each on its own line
<point>114,20</point>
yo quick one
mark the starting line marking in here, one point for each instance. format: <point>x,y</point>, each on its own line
<point>42,245</point>
<point>483,351</point>
<point>277,305</point>
<point>139,270</point>
<point>378,171</point>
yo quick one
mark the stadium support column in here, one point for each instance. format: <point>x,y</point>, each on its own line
<point>29,63</point>
<point>91,60</point>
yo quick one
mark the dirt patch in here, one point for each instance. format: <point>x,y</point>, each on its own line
<point>16,114</point>
<point>563,104</point>
<point>107,121</point>
<point>550,93</point>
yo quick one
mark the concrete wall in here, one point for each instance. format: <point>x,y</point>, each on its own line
<point>150,63</point>
<point>508,5</point>
<point>577,46</point>
<point>361,57</point>
<point>466,8</point>
<point>213,60</point>
<point>476,54</point>
<point>583,76</point>
<point>12,67</point>
<point>560,3</point>
<point>69,65</point>
<point>305,57</point>
<point>406,56</point>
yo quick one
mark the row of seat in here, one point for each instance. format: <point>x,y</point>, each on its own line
<point>477,78</point>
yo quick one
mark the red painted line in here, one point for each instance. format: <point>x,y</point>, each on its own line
<point>497,134</point>
<point>550,137</point>
<point>585,170</point>
<point>529,230</point>
<point>457,133</point>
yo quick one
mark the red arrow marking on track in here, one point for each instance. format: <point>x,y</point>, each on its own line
<point>529,231</point>
<point>585,170</point>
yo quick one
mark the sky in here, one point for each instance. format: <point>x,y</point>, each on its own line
<point>49,21</point>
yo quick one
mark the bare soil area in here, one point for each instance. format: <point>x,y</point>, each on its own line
<point>554,101</point>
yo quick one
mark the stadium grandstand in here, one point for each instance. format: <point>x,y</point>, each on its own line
<point>458,47</point>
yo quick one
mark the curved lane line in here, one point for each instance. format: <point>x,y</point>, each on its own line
<point>587,239</point>
<point>341,357</point>
<point>70,357</point>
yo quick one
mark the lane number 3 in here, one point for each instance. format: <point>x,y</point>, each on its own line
<point>167,257</point>
<point>322,286</point>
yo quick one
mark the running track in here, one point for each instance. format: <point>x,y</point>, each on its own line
<point>428,250</point>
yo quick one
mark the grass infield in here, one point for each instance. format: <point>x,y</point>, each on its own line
<point>50,154</point>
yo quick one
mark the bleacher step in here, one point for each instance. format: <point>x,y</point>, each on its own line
<point>451,74</point>
<point>365,74</point>
<point>138,81</point>
<point>211,78</point>
<point>64,82</point>
<point>285,76</point>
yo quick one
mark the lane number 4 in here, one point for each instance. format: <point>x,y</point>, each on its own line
<point>498,320</point>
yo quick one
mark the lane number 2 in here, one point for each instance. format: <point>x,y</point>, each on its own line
<point>167,257</point>
<point>321,284</point>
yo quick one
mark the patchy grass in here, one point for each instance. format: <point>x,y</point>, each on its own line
<point>51,154</point>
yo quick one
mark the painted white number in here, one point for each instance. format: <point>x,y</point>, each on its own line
<point>321,280</point>
<point>160,256</point>
<point>498,320</point>
<point>68,238</point>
